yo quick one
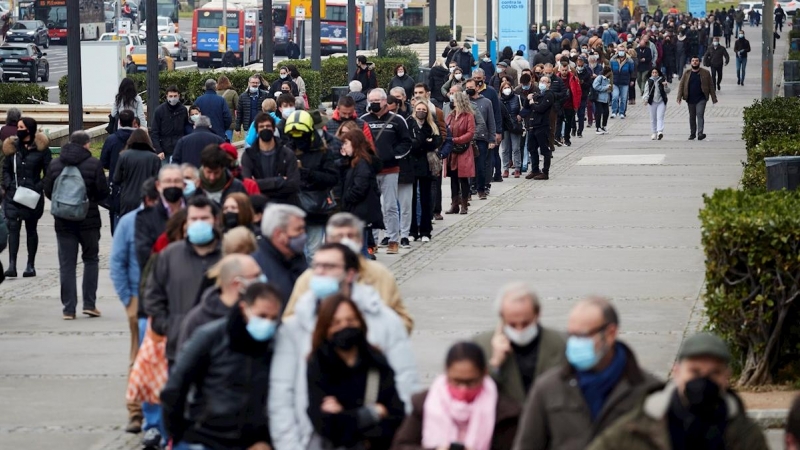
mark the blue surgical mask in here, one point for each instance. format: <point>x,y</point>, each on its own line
<point>323,286</point>
<point>189,189</point>
<point>286,112</point>
<point>542,87</point>
<point>580,353</point>
<point>298,243</point>
<point>526,87</point>
<point>261,329</point>
<point>200,233</point>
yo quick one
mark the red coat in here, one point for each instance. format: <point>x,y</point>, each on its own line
<point>463,130</point>
<point>574,85</point>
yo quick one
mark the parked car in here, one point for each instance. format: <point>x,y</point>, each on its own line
<point>747,6</point>
<point>789,6</point>
<point>605,13</point>
<point>24,61</point>
<point>165,26</point>
<point>177,46</point>
<point>165,61</point>
<point>131,40</point>
<point>33,31</point>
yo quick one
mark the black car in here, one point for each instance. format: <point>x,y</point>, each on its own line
<point>24,61</point>
<point>33,31</point>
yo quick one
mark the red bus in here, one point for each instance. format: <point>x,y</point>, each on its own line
<point>333,29</point>
<point>54,14</point>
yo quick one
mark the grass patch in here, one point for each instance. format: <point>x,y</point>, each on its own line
<point>96,148</point>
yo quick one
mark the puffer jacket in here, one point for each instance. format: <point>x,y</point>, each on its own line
<point>208,310</point>
<point>622,70</point>
<point>32,163</point>
<point>436,79</point>
<point>244,114</point>
<point>574,85</point>
<point>289,424</point>
<point>361,196</point>
<point>405,82</point>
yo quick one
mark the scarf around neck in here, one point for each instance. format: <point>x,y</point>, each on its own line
<point>442,417</point>
<point>596,386</point>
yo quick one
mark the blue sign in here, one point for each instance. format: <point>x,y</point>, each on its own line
<point>697,8</point>
<point>209,41</point>
<point>513,21</point>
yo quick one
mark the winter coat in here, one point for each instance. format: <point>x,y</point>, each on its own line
<point>669,50</point>
<point>512,106</point>
<point>465,61</point>
<point>124,270</point>
<point>647,428</point>
<point>622,71</point>
<point>420,147</point>
<point>508,379</point>
<point>483,108</point>
<point>244,114</point>
<point>644,58</point>
<point>367,78</point>
<point>538,111</point>
<point>275,88</point>
<point>232,186</point>
<point>519,63</point>
<point>189,147</point>
<point>506,418</point>
<point>405,82</point>
<point>113,145</point>
<point>390,134</point>
<point>716,56</point>
<point>488,68</point>
<point>585,79</point>
<point>282,185</point>
<point>232,99</point>
<point>463,130</point>
<point>173,287</point>
<point>544,57</point>
<point>361,102</point>
<point>329,375</point>
<point>361,196</point>
<point>436,79</point>
<point>213,106</point>
<point>7,131</point>
<point>168,126</point>
<point>317,174</point>
<point>32,163</point>
<point>601,84</point>
<point>556,416</point>
<point>289,423</point>
<point>741,48</point>
<point>227,373</point>
<point>649,93</point>
<point>336,120</point>
<point>559,91</point>
<point>208,310</point>
<point>135,166</point>
<point>574,85</point>
<point>150,223</point>
<point>279,270</point>
<point>706,84</point>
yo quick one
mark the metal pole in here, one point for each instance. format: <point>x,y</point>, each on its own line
<point>316,28</point>
<point>153,87</point>
<point>75,90</point>
<point>268,37</point>
<point>381,13</point>
<point>352,29</point>
<point>616,11</point>
<point>117,16</point>
<point>489,23</point>
<point>431,32</point>
<point>767,32</point>
<point>566,13</point>
<point>453,17</point>
<point>533,17</point>
<point>544,15</point>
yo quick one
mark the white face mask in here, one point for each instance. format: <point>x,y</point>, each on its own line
<point>507,91</point>
<point>521,337</point>
<point>352,245</point>
<point>286,112</point>
<point>458,76</point>
<point>400,73</point>
<point>452,69</point>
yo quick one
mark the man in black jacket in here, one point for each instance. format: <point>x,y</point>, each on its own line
<point>216,181</point>
<point>271,165</point>
<point>250,104</point>
<point>365,73</point>
<point>86,232</point>
<point>741,48</point>
<point>715,57</point>
<point>151,222</point>
<point>109,155</point>
<point>188,148</point>
<point>538,109</point>
<point>168,124</point>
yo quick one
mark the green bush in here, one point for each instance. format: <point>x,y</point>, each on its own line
<point>770,117</point>
<point>754,175</point>
<point>794,56</point>
<point>793,34</point>
<point>18,93</point>
<point>752,242</point>
<point>419,35</point>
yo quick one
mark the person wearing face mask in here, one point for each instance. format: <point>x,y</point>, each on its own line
<point>284,76</point>
<point>487,65</point>
<point>215,108</point>
<point>696,88</point>
<point>714,58</point>
<point>151,222</point>
<point>335,268</point>
<point>584,75</point>
<point>226,91</point>
<point>602,88</point>
<point>456,79</point>
<point>695,410</point>
<point>538,110</point>
<point>566,119</point>
<point>226,367</point>
<point>520,349</point>
<point>174,285</point>
<point>741,48</point>
<point>358,97</point>
<point>450,51</point>
<point>114,144</point>
<point>622,69</point>
<point>168,125</point>
<point>352,399</point>
<point>655,95</point>
<point>189,147</point>
<point>461,410</point>
<point>136,164</point>
<point>645,62</point>
<point>248,104</point>
<point>464,59</point>
<point>600,382</point>
<point>237,211</point>
<point>402,79</point>
<point>669,58</point>
<point>513,130</point>
<point>365,73</point>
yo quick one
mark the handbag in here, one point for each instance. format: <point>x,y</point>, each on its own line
<point>25,196</point>
<point>434,164</point>
<point>317,202</point>
<point>112,124</point>
<point>461,148</point>
<point>371,391</point>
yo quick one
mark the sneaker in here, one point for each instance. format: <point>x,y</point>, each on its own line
<point>152,439</point>
<point>605,130</point>
<point>700,136</point>
<point>92,312</point>
<point>69,317</point>
<point>557,142</point>
<point>612,116</point>
<point>691,137</point>
<point>660,135</point>
<point>426,239</point>
<point>622,116</point>
<point>568,143</point>
<point>394,248</point>
<point>384,242</point>
<point>599,131</point>
<point>653,137</point>
<point>404,243</point>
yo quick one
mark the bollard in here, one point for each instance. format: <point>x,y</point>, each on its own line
<point>791,71</point>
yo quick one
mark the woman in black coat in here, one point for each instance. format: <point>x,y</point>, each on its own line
<point>436,79</point>
<point>137,163</point>
<point>360,195</point>
<point>31,153</point>
<point>425,141</point>
<point>352,399</point>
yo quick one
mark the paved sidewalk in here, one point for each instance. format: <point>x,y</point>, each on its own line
<point>622,230</point>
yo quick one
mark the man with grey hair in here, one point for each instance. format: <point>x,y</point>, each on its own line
<point>359,97</point>
<point>188,148</point>
<point>520,349</point>
<point>84,232</point>
<point>215,108</point>
<point>152,221</point>
<point>280,252</point>
<point>10,128</point>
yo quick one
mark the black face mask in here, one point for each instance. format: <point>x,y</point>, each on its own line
<point>471,92</point>
<point>231,220</point>
<point>347,338</point>
<point>22,134</point>
<point>172,194</point>
<point>303,143</point>
<point>703,396</point>
<point>266,135</point>
<point>375,107</point>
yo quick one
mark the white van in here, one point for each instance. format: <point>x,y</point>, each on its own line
<point>130,40</point>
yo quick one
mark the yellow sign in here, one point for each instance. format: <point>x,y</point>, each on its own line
<point>306,4</point>
<point>223,40</point>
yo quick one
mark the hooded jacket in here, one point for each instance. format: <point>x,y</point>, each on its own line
<point>112,147</point>
<point>32,163</point>
<point>136,165</point>
<point>367,78</point>
<point>208,310</point>
<point>189,147</point>
<point>289,423</point>
<point>169,125</point>
<point>361,102</point>
<point>544,56</point>
<point>93,175</point>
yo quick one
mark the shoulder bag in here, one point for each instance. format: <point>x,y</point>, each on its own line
<point>24,196</point>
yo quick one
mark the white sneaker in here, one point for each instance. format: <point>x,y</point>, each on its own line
<point>622,116</point>
<point>612,116</point>
<point>652,137</point>
<point>426,239</point>
<point>599,131</point>
<point>605,130</point>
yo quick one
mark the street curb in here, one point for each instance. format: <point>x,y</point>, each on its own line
<point>769,418</point>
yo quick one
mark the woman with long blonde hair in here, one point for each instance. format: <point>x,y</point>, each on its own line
<point>425,141</point>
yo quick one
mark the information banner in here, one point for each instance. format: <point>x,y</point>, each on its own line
<point>513,20</point>
<point>697,8</point>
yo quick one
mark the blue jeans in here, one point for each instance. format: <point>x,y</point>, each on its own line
<point>229,133</point>
<point>619,99</point>
<point>150,411</point>
<point>741,65</point>
<point>189,446</point>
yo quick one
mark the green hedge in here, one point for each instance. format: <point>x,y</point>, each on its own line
<point>770,117</point>
<point>754,175</point>
<point>752,242</point>
<point>793,34</point>
<point>419,35</point>
<point>17,93</point>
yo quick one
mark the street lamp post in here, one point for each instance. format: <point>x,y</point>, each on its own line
<point>75,90</point>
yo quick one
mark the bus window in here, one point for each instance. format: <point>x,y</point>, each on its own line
<point>213,19</point>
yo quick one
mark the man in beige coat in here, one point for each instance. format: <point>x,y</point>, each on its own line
<point>520,349</point>
<point>347,229</point>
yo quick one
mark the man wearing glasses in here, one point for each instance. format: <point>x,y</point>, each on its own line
<point>571,404</point>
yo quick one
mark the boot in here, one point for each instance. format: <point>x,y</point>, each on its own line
<point>13,247</point>
<point>12,268</point>
<point>464,205</point>
<point>29,271</point>
<point>453,206</point>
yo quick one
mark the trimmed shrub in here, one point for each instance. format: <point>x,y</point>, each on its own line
<point>754,175</point>
<point>419,35</point>
<point>18,93</point>
<point>770,117</point>
<point>751,242</point>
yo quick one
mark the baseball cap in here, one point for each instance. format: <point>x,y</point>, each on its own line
<point>705,344</point>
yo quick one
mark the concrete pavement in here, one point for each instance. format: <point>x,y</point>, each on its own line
<point>619,229</point>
